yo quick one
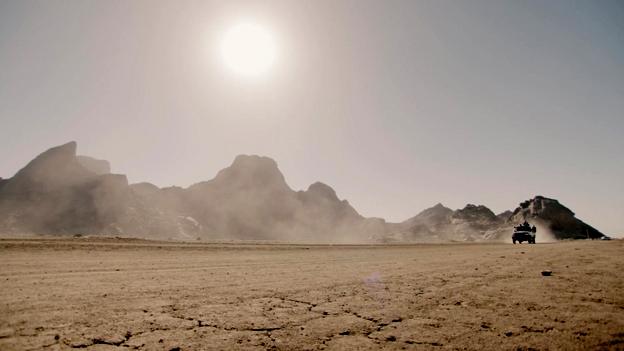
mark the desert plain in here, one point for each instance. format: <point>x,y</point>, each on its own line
<point>111,294</point>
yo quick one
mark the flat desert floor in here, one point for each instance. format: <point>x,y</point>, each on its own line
<point>130,294</point>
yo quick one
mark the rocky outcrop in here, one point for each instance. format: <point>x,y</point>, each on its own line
<point>251,200</point>
<point>52,170</point>
<point>474,223</point>
<point>440,223</point>
<point>560,220</point>
<point>61,193</point>
<point>94,165</point>
<point>54,193</point>
<point>477,214</point>
<point>321,201</point>
<point>144,189</point>
<point>478,223</point>
<point>432,217</point>
<point>505,215</point>
<point>248,200</point>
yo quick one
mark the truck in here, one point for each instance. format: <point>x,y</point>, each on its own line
<point>524,232</point>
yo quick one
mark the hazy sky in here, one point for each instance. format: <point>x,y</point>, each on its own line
<point>398,105</point>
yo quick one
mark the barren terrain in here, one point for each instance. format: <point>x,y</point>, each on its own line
<point>119,294</point>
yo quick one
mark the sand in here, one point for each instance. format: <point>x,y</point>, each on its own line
<point>131,294</point>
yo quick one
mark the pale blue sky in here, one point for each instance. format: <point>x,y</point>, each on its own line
<point>398,105</point>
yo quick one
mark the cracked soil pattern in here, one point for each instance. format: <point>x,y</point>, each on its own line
<point>106,294</point>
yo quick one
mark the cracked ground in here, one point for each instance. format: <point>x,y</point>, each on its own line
<point>110,294</point>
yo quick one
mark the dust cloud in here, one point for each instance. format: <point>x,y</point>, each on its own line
<point>544,234</point>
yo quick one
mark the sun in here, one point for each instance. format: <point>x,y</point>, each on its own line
<point>248,49</point>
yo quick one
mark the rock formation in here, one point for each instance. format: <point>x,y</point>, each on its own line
<point>478,223</point>
<point>560,220</point>
<point>440,223</point>
<point>505,215</point>
<point>54,193</point>
<point>94,165</point>
<point>61,193</point>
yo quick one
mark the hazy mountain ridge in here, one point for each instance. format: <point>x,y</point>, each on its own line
<point>477,223</point>
<point>94,165</point>
<point>54,193</point>
<point>440,223</point>
<point>59,192</point>
<point>561,221</point>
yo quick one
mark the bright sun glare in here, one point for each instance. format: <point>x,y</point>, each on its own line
<point>248,49</point>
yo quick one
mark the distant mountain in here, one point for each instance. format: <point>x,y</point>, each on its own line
<point>432,217</point>
<point>54,193</point>
<point>505,215</point>
<point>94,165</point>
<point>251,200</point>
<point>59,192</point>
<point>479,223</point>
<point>440,223</point>
<point>560,220</point>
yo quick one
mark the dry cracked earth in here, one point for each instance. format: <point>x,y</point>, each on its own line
<point>108,294</point>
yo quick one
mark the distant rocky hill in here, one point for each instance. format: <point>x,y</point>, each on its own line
<point>54,193</point>
<point>94,165</point>
<point>478,223</point>
<point>61,193</point>
<point>440,223</point>
<point>560,220</point>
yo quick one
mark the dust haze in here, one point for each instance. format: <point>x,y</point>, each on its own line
<point>311,175</point>
<point>545,235</point>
